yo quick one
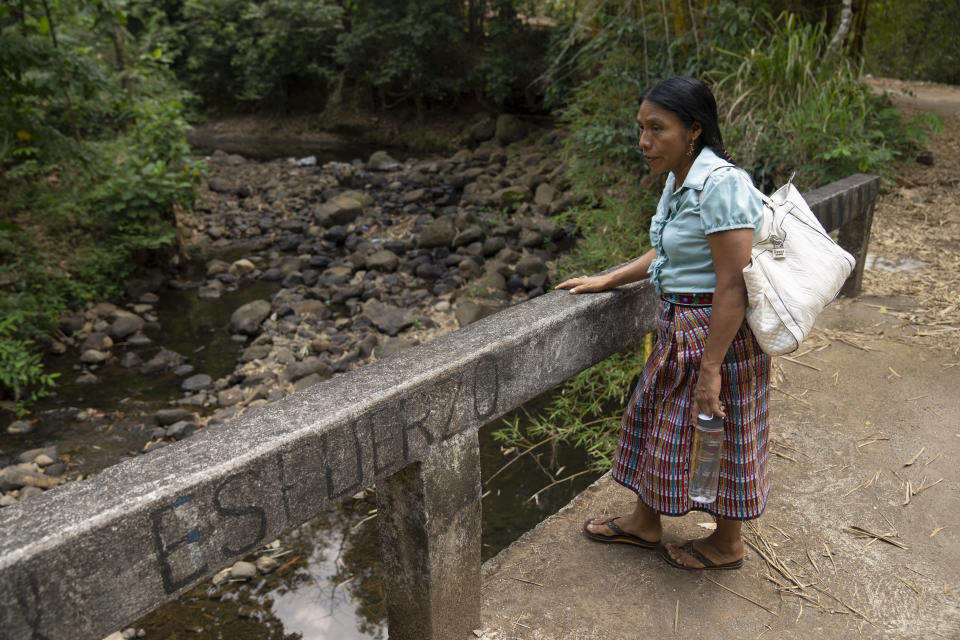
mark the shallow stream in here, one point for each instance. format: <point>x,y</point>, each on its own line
<point>328,582</point>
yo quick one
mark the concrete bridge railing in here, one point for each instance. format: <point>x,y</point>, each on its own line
<point>87,558</point>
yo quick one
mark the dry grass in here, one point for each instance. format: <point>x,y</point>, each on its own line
<point>919,218</point>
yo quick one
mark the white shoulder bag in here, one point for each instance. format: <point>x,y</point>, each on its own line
<point>795,270</point>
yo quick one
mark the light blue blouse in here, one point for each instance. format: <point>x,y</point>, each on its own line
<point>679,229</point>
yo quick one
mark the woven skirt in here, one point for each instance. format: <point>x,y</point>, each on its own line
<point>653,454</point>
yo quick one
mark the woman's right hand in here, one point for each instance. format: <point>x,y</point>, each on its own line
<point>586,284</point>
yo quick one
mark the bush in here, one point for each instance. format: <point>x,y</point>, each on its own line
<point>93,164</point>
<point>914,39</point>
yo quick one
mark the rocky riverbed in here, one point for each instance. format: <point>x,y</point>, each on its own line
<point>363,259</point>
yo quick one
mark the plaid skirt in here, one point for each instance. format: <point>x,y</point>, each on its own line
<point>653,454</point>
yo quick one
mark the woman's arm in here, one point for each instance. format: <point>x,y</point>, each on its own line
<point>730,251</point>
<point>630,272</point>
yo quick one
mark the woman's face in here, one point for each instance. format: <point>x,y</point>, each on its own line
<point>665,140</point>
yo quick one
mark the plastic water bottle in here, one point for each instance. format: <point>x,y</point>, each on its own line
<point>705,459</point>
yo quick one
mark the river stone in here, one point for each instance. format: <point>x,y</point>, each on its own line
<point>382,161</point>
<point>509,128</point>
<point>16,477</point>
<point>43,460</point>
<point>55,470</point>
<point>92,356</point>
<point>342,209</point>
<point>139,340</point>
<point>467,312</point>
<point>216,267</point>
<point>471,234</point>
<point>382,260</point>
<point>511,195</point>
<point>530,238</point>
<point>545,194</point>
<point>247,318</point>
<point>390,347</point>
<point>180,430</point>
<point>163,360</point>
<point>183,370</point>
<point>306,367</point>
<point>19,427</point>
<point>96,340</point>
<point>266,564</point>
<point>468,269</point>
<point>230,397</point>
<point>32,454</point>
<point>29,492</point>
<point>366,345</point>
<point>124,326</point>
<point>307,382</point>
<point>529,265</point>
<point>86,378</point>
<point>387,318</point>
<point>483,130</point>
<point>242,267</point>
<point>243,571</point>
<point>414,195</point>
<point>462,156</point>
<point>311,308</point>
<point>130,360</point>
<point>210,290</point>
<point>166,417</point>
<point>439,233</point>
<point>196,383</point>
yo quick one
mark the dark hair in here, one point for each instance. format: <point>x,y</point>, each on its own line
<point>692,101</point>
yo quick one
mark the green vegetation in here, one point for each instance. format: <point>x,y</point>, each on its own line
<point>94,96</point>
<point>93,163</point>
<point>913,40</point>
<point>787,104</point>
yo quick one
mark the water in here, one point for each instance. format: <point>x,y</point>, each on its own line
<point>705,459</point>
<point>332,588</point>
<point>329,583</point>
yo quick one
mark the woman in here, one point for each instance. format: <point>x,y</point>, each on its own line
<point>705,359</point>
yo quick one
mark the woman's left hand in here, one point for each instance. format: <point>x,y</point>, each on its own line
<point>706,394</point>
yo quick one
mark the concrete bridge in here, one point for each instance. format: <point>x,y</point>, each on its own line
<point>87,558</point>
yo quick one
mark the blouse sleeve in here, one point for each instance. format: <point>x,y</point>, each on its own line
<point>729,202</point>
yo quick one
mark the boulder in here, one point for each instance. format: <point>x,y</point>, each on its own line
<point>545,194</point>
<point>18,476</point>
<point>124,326</point>
<point>511,195</point>
<point>210,290</point>
<point>97,340</point>
<point>242,267</point>
<point>19,427</point>
<point>509,129</point>
<point>230,397</point>
<point>529,265</point>
<point>382,161</point>
<point>163,360</point>
<point>166,417</point>
<point>482,131</point>
<point>439,233</point>
<point>382,260</point>
<point>92,356</point>
<point>472,233</point>
<point>247,318</point>
<point>391,347</point>
<point>215,267</point>
<point>387,318</point>
<point>307,367</point>
<point>342,209</point>
<point>467,312</point>
<point>196,383</point>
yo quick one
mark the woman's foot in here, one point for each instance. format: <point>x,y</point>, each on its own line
<point>712,552</point>
<point>643,523</point>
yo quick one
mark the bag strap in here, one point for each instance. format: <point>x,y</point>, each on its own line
<point>722,166</point>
